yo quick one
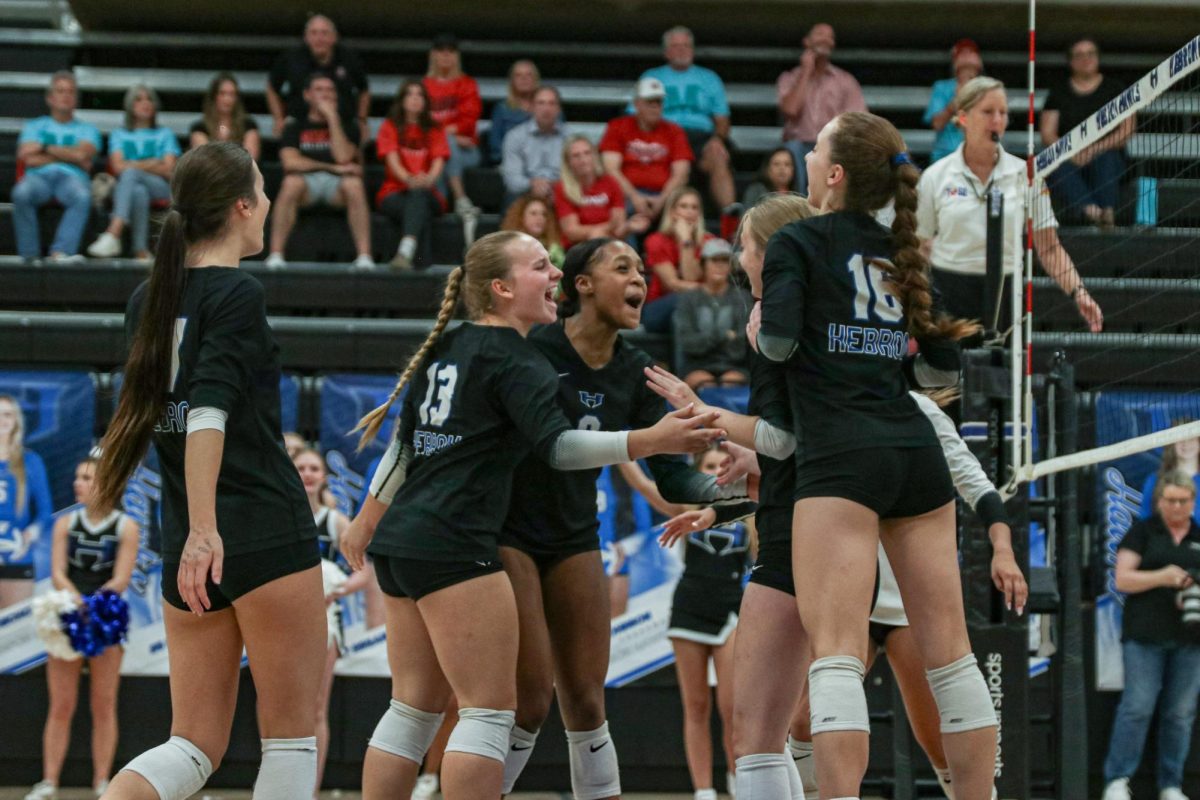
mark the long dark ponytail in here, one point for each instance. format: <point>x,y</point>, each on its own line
<point>207,182</point>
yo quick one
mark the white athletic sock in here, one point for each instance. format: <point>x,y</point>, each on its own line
<point>594,770</point>
<point>795,785</point>
<point>763,776</point>
<point>408,246</point>
<point>705,794</point>
<point>520,748</point>
<point>943,777</point>
<point>731,785</point>
<point>288,770</point>
<point>802,757</point>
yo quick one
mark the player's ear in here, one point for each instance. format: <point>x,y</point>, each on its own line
<point>837,174</point>
<point>583,284</point>
<point>501,289</point>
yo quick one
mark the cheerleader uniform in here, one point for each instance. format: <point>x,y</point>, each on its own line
<point>707,598</point>
<point>92,549</point>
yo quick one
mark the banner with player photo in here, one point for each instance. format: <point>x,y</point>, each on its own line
<point>1122,498</point>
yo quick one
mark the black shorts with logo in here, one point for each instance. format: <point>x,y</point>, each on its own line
<point>894,482</point>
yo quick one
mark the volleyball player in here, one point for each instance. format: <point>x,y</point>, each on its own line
<point>841,296</point>
<point>482,398</point>
<point>549,544</point>
<point>91,549</point>
<point>240,559</point>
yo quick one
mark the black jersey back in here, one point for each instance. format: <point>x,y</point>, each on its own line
<point>92,549</point>
<point>548,504</point>
<point>769,400</point>
<point>720,553</point>
<point>226,358</point>
<point>481,400</point>
<point>846,378</point>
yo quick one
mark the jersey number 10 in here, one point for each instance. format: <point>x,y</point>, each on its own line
<point>440,395</point>
<point>870,292</point>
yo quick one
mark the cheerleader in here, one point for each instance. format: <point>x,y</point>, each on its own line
<point>482,398</point>
<point>92,549</point>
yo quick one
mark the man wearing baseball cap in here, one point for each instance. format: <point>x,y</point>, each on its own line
<point>648,156</point>
<point>965,63</point>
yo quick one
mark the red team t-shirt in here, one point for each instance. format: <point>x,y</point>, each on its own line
<point>455,102</point>
<point>646,156</point>
<point>417,148</point>
<point>662,248</point>
<point>595,203</point>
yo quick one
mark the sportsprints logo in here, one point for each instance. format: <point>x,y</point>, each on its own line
<point>994,667</point>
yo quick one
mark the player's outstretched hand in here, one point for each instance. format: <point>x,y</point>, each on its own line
<point>682,431</point>
<point>741,462</point>
<point>688,522</point>
<point>203,554</point>
<point>670,388</point>
<point>353,542</point>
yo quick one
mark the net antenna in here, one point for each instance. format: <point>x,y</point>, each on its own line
<point>1162,139</point>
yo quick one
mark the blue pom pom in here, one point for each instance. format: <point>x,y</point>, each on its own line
<point>102,621</point>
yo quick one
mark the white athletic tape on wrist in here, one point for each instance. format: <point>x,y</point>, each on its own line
<point>763,776</point>
<point>288,769</point>
<point>836,695</point>
<point>962,696</point>
<point>520,748</point>
<point>206,418</point>
<point>594,770</point>
<point>176,769</point>
<point>406,731</point>
<point>482,732</point>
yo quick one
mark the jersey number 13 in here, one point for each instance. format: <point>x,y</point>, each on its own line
<point>440,395</point>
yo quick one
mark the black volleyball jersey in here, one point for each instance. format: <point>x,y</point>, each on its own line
<point>769,400</point>
<point>92,549</point>
<point>478,404</point>
<point>846,379</point>
<point>549,504</point>
<point>721,553</point>
<point>225,357</point>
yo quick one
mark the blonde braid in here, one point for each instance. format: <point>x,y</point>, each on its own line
<point>373,420</point>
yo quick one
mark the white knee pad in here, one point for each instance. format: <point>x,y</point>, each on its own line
<point>962,696</point>
<point>520,748</point>
<point>406,731</point>
<point>288,769</point>
<point>594,770</point>
<point>765,776</point>
<point>482,732</point>
<point>836,696</point>
<point>176,769</point>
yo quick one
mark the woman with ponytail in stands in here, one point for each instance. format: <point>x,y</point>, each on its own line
<point>841,297</point>
<point>240,557</point>
<point>225,118</point>
<point>549,544</point>
<point>25,505</point>
<point>483,397</point>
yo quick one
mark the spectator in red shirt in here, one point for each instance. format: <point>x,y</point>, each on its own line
<point>673,257</point>
<point>414,151</point>
<point>649,156</point>
<point>590,204</point>
<point>455,105</point>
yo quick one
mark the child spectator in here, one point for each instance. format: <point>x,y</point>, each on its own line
<point>533,149</point>
<point>777,174</point>
<point>710,323</point>
<point>414,150</point>
<point>673,257</point>
<point>320,157</point>
<point>649,156</point>
<point>225,118</point>
<point>56,152</point>
<point>320,52</point>
<point>535,216</point>
<point>589,204</point>
<point>515,108</point>
<point>142,156</point>
<point>455,105</point>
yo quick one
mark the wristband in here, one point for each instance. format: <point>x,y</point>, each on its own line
<point>990,510</point>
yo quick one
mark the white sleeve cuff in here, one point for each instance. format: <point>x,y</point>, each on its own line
<point>589,449</point>
<point>390,474</point>
<point>772,441</point>
<point>206,418</point>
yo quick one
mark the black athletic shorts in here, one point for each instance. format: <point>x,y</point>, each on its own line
<point>879,632</point>
<point>242,574</point>
<point>773,568</point>
<point>549,554</point>
<point>415,578</point>
<point>894,482</point>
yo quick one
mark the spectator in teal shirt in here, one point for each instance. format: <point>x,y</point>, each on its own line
<point>966,64</point>
<point>56,152</point>
<point>142,156</point>
<point>696,102</point>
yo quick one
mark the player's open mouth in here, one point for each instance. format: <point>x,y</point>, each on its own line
<point>635,300</point>
<point>550,295</point>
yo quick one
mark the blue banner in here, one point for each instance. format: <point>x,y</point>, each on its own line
<point>344,401</point>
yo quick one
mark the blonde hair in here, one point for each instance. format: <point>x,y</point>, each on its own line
<point>16,451</point>
<point>487,260</point>
<point>673,199</point>
<point>971,92</point>
<point>569,182</point>
<point>512,99</point>
<point>771,213</point>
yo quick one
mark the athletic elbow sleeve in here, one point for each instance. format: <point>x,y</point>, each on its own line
<point>776,348</point>
<point>589,449</point>
<point>773,441</point>
<point>390,474</point>
<point>206,418</point>
<point>990,509</point>
<point>929,376</point>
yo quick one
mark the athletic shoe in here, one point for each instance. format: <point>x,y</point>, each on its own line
<point>43,790</point>
<point>276,261</point>
<point>1117,790</point>
<point>426,787</point>
<point>105,246</point>
<point>63,258</point>
<point>401,262</point>
<point>101,788</point>
<point>364,261</point>
<point>1172,793</point>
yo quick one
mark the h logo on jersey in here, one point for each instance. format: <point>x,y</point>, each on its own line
<point>590,400</point>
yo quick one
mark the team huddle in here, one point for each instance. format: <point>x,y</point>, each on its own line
<point>480,520</point>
